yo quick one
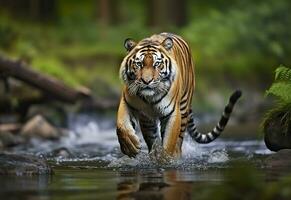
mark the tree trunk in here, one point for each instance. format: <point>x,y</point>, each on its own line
<point>108,12</point>
<point>165,13</point>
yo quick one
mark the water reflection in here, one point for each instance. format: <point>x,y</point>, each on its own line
<point>162,184</point>
<point>24,183</point>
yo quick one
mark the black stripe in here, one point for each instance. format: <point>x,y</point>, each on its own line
<point>147,122</point>
<point>150,136</point>
<point>191,126</point>
<point>184,101</point>
<point>184,107</point>
<point>169,103</point>
<point>150,130</point>
<point>215,134</point>
<point>143,50</point>
<point>144,121</point>
<point>169,66</point>
<point>228,109</point>
<point>208,139</point>
<point>184,115</point>
<point>160,99</point>
<point>219,129</point>
<point>199,138</point>
<point>185,93</point>
<point>126,68</point>
<point>223,121</point>
<point>148,125</point>
<point>132,123</point>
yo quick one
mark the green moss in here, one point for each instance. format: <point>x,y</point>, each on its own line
<point>55,68</point>
<point>282,84</point>
<point>280,88</point>
<point>281,111</point>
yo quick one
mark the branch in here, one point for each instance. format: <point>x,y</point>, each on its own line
<point>49,85</point>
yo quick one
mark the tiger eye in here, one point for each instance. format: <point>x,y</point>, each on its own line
<point>161,66</point>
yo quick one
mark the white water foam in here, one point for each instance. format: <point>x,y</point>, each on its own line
<point>89,141</point>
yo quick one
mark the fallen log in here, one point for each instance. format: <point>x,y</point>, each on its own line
<point>9,127</point>
<point>50,86</point>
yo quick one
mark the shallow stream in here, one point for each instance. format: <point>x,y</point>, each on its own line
<point>87,163</point>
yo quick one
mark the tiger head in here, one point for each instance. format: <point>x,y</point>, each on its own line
<point>148,69</point>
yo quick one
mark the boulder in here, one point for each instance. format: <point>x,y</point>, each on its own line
<point>62,152</point>
<point>276,136</point>
<point>13,164</point>
<point>8,139</point>
<point>38,126</point>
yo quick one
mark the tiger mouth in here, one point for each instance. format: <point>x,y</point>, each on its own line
<point>147,88</point>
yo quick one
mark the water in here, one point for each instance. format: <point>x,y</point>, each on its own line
<point>88,165</point>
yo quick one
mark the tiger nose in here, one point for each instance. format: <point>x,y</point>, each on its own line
<point>147,80</point>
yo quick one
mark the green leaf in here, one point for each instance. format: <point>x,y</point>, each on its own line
<point>283,73</point>
<point>281,89</point>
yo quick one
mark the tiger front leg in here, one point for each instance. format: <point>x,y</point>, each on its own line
<point>149,129</point>
<point>171,126</point>
<point>128,140</point>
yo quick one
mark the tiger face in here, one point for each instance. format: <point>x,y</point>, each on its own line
<point>148,70</point>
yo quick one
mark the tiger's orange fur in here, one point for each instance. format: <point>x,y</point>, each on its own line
<point>159,81</point>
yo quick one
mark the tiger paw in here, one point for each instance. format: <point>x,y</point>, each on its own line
<point>129,143</point>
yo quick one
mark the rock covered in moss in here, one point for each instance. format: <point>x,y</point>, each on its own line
<point>277,130</point>
<point>13,164</point>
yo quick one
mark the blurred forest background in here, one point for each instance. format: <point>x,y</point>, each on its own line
<point>235,44</point>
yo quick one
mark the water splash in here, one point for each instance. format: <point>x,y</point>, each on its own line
<point>192,157</point>
<point>92,142</point>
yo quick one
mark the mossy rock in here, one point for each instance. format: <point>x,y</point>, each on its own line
<point>19,165</point>
<point>277,129</point>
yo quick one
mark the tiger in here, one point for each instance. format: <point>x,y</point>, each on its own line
<point>158,84</point>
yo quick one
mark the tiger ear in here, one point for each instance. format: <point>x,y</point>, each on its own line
<point>168,43</point>
<point>129,44</point>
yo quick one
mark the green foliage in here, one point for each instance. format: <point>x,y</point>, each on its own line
<point>237,39</point>
<point>241,38</point>
<point>281,113</point>
<point>283,74</point>
<point>281,87</point>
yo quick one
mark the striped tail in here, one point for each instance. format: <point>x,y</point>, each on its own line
<point>210,136</point>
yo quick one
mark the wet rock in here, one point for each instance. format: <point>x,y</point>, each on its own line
<point>8,139</point>
<point>277,137</point>
<point>62,152</point>
<point>12,164</point>
<point>38,126</point>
